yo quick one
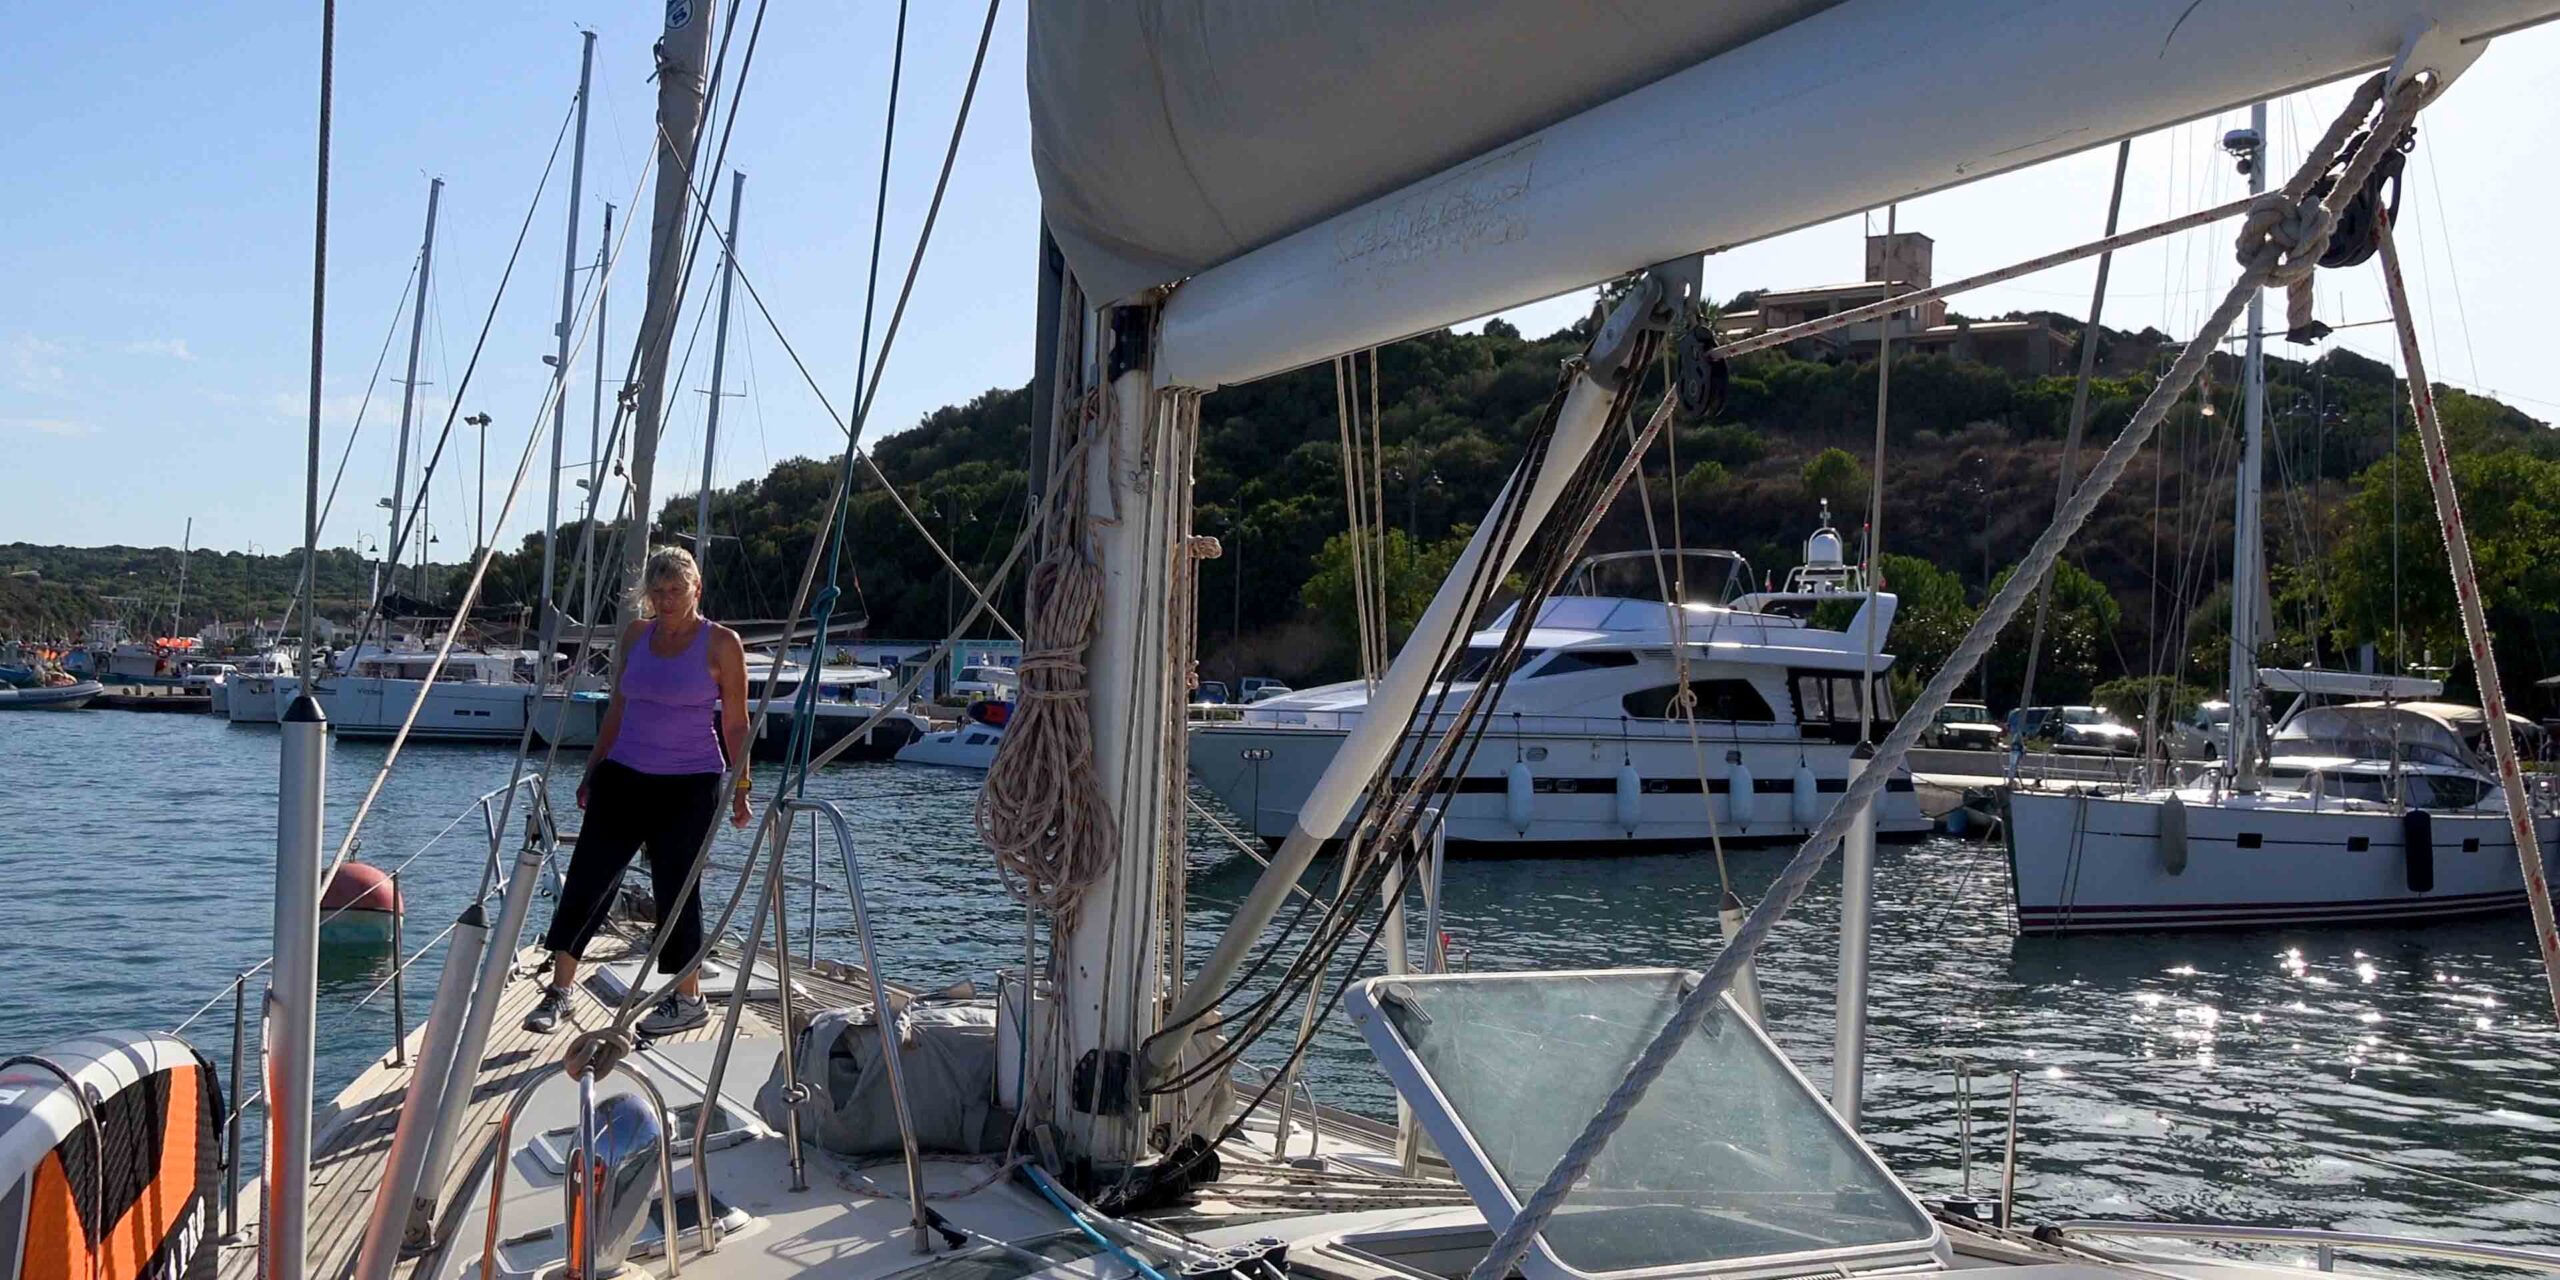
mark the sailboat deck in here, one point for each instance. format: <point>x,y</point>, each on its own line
<point>353,1133</point>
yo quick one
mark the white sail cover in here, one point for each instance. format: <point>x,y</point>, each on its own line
<point>1172,135</point>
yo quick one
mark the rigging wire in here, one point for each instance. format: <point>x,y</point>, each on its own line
<point>462,612</point>
<point>412,521</point>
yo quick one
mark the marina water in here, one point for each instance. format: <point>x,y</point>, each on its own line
<point>2247,1077</point>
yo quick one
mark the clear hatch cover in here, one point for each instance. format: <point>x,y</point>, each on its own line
<point>1730,1162</point>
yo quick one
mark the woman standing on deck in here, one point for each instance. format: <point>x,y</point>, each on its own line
<point>677,718</point>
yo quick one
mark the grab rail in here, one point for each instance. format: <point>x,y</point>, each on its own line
<point>883,1013</point>
<point>585,1241</point>
<point>2325,1243</point>
<point>779,823</point>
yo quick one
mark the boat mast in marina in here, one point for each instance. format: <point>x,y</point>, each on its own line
<point>409,394</point>
<point>719,361</point>
<point>683,57</point>
<point>292,1000</point>
<point>549,630</point>
<point>2248,543</point>
<point>178,607</point>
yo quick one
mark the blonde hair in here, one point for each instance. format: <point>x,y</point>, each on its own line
<point>665,564</point>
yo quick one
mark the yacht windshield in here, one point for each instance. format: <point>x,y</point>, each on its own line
<point>1477,662</point>
<point>1698,577</point>
<point>2083,715</point>
<point>1729,1156</point>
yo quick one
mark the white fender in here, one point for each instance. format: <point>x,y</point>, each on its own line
<point>1520,796</point>
<point>1741,796</point>
<point>1630,798</point>
<point>1808,796</point>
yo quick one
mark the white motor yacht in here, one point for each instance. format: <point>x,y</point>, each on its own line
<point>970,744</point>
<point>1586,745</point>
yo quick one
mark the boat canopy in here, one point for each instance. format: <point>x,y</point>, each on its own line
<point>2373,731</point>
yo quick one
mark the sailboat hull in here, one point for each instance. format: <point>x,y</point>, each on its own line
<point>455,711</point>
<point>2090,863</point>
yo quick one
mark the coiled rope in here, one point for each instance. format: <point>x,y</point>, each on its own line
<point>1041,812</point>
<point>2270,242</point>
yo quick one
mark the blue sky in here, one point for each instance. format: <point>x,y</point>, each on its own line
<point>153,330</point>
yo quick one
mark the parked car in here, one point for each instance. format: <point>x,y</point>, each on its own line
<point>2077,729</point>
<point>2200,734</point>
<point>1262,688</point>
<point>1209,693</point>
<point>1964,726</point>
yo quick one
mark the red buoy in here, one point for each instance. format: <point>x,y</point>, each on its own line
<point>358,905</point>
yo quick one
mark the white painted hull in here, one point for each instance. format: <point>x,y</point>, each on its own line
<point>2082,863</point>
<point>568,720</point>
<point>220,689</point>
<point>971,746</point>
<point>258,699</point>
<point>454,711</point>
<point>1265,773</point>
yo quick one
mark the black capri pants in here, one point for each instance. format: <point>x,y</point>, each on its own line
<point>669,814</point>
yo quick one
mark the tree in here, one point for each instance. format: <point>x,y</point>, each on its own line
<point>1412,573</point>
<point>2389,576</point>
<point>2079,635</point>
<point>2132,697</point>
<point>1834,476</point>
<point>1930,616</point>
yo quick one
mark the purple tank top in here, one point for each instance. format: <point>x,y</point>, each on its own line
<point>670,720</point>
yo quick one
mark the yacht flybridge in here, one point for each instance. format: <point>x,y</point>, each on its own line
<point>1212,222</point>
<point>1589,744</point>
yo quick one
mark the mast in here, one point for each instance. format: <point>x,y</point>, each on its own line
<point>595,401</point>
<point>409,384</point>
<point>595,419</point>
<point>2248,552</point>
<point>177,610</point>
<point>302,757</point>
<point>683,54</point>
<point>719,360</point>
<point>549,629</point>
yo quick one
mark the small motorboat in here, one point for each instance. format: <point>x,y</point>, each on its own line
<point>360,907</point>
<point>50,697</point>
<point>15,676</point>
<point>971,744</point>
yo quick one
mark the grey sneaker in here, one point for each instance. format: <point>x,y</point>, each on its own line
<point>546,1011</point>
<point>676,1012</point>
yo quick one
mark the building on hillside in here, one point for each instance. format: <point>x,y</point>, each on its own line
<point>1899,263</point>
